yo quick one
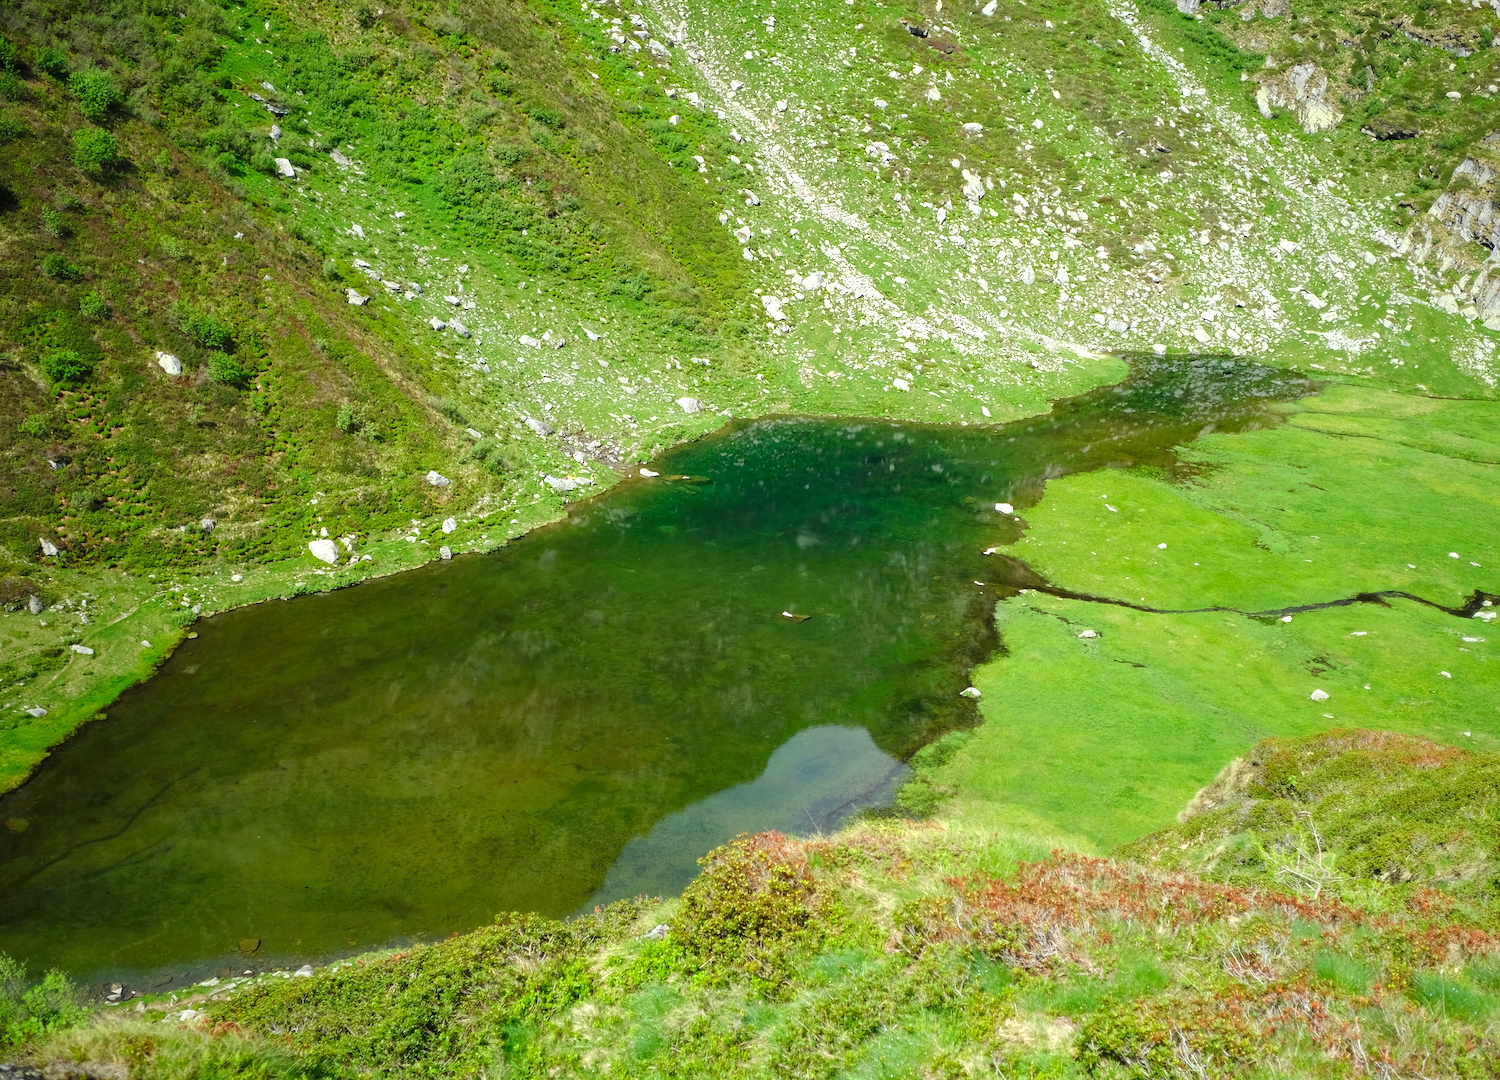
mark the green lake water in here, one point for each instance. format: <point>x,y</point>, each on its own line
<point>575,718</point>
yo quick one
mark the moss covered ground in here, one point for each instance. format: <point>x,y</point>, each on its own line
<point>1103,719</point>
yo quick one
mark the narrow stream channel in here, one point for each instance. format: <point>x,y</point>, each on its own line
<point>574,718</point>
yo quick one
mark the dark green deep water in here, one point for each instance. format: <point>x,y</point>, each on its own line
<point>574,718</point>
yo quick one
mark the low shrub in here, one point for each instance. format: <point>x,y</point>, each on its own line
<point>204,328</point>
<point>60,269</point>
<point>30,1012</point>
<point>65,367</point>
<point>96,91</point>
<point>226,369</point>
<point>12,87</point>
<point>95,150</point>
<point>55,225</point>
<point>93,306</point>
<point>50,61</point>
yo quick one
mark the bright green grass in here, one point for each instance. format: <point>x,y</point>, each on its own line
<point>1110,736</point>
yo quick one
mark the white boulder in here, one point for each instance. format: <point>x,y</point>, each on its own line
<point>169,363</point>
<point>437,479</point>
<point>690,404</point>
<point>284,167</point>
<point>324,551</point>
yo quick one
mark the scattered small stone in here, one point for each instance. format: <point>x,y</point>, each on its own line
<point>1005,508</point>
<point>529,341</point>
<point>1444,674</point>
<point>437,479</point>
<point>1088,633</point>
<point>648,473</point>
<point>970,692</point>
<point>459,328</point>
<point>455,301</point>
<point>1161,547</point>
<point>1319,695</point>
<point>338,158</point>
<point>901,384</point>
<point>1286,618</point>
<point>36,712</point>
<point>208,525</point>
<point>82,650</point>
<point>236,577</point>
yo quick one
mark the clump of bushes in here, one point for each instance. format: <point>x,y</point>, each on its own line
<point>96,91</point>
<point>93,306</point>
<point>751,911</point>
<point>50,61</point>
<point>58,268</point>
<point>65,367</point>
<point>95,150</point>
<point>202,327</point>
<point>30,1012</point>
<point>225,368</point>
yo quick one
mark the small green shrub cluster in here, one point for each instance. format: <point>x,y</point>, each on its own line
<point>31,1011</point>
<point>95,150</point>
<point>97,92</point>
<point>65,367</point>
<point>58,268</point>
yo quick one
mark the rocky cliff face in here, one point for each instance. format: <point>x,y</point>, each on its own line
<point>1302,89</point>
<point>1460,231</point>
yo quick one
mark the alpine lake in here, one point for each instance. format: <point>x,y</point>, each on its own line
<point>755,639</point>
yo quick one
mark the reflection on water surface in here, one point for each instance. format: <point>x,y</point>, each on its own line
<point>576,717</point>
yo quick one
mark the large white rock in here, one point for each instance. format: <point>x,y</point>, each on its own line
<point>561,483</point>
<point>49,549</point>
<point>690,404</point>
<point>169,363</point>
<point>541,427</point>
<point>449,524</point>
<point>284,167</point>
<point>1319,695</point>
<point>437,324</point>
<point>437,479</point>
<point>324,551</point>
<point>773,307</point>
<point>357,299</point>
<point>82,650</point>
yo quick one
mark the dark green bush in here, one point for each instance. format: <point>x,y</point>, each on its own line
<point>36,425</point>
<point>60,269</point>
<point>65,367</point>
<point>224,368</point>
<point>12,87</point>
<point>550,118</point>
<point>96,91</point>
<point>10,58</point>
<point>94,150</point>
<point>202,327</point>
<point>55,225</point>
<point>11,127</point>
<point>510,154</point>
<point>50,61</point>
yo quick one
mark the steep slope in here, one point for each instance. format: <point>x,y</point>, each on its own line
<point>567,218</point>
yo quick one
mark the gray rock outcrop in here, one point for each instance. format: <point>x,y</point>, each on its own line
<point>1303,90</point>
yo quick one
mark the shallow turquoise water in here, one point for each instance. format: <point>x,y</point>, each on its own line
<point>572,719</point>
